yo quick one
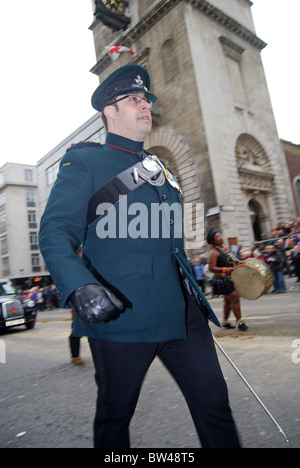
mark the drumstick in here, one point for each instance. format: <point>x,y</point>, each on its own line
<point>252,390</point>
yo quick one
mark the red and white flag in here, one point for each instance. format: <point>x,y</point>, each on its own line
<point>116,51</point>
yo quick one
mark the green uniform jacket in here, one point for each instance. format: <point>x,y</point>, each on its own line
<point>141,271</point>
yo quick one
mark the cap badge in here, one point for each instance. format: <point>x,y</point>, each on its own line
<point>139,80</point>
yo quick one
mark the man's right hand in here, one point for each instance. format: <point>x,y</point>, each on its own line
<point>94,303</point>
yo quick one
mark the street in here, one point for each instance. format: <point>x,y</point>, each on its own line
<point>47,402</point>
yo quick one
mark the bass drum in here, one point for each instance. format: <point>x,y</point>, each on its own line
<point>252,279</point>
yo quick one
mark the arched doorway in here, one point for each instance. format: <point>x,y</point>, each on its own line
<point>256,214</point>
<point>175,154</point>
<point>256,181</point>
<point>250,154</point>
<point>297,192</point>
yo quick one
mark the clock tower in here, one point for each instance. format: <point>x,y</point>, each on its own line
<point>213,122</point>
<point>112,14</point>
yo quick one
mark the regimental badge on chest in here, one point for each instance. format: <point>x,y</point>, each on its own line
<point>152,164</point>
<point>172,180</point>
<point>153,171</point>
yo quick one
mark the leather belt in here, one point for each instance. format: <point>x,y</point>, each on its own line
<point>121,185</point>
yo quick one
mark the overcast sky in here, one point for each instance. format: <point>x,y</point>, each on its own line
<point>47,51</point>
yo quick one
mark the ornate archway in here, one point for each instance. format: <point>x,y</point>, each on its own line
<point>297,192</point>
<point>175,153</point>
<point>172,149</point>
<point>256,214</point>
<point>250,154</point>
<point>256,180</point>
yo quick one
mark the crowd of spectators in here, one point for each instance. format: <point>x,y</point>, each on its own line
<point>280,249</point>
<point>45,298</point>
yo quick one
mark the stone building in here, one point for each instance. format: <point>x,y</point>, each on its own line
<point>19,222</point>
<point>213,122</point>
<point>48,167</point>
<point>292,153</point>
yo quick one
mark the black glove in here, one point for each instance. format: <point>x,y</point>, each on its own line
<point>93,303</point>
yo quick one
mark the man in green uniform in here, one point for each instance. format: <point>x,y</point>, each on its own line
<point>124,207</point>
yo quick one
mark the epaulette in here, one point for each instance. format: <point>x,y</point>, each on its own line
<point>84,144</point>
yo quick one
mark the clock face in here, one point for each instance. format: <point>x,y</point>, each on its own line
<point>117,7</point>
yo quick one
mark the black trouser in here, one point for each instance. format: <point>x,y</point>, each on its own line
<point>121,368</point>
<point>74,345</point>
<point>201,283</point>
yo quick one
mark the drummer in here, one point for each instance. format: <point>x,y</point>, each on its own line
<point>221,263</point>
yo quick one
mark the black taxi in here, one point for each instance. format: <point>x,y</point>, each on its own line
<point>14,311</point>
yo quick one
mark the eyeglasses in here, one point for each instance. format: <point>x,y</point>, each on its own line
<point>135,100</point>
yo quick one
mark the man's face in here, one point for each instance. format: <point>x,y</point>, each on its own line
<point>130,118</point>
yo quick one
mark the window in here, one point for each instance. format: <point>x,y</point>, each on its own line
<point>33,241</point>
<point>5,266</point>
<point>233,53</point>
<point>51,173</point>
<point>35,262</point>
<point>3,227</point>
<point>4,245</point>
<point>98,137</point>
<point>30,197</point>
<point>32,219</point>
<point>170,59</point>
<point>2,201</point>
<point>28,175</point>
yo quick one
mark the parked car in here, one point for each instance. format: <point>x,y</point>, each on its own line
<point>15,311</point>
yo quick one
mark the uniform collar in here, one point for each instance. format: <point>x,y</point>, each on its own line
<point>125,144</point>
